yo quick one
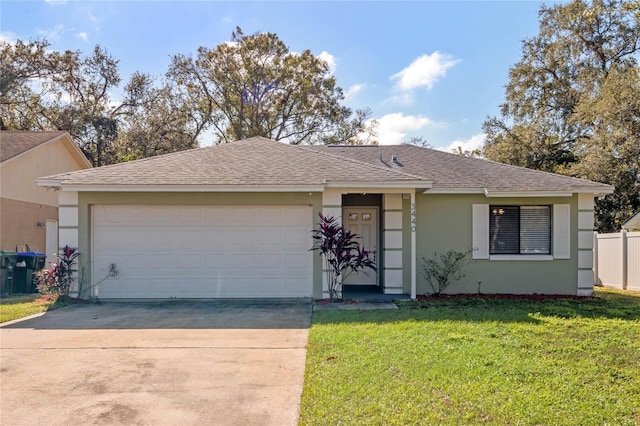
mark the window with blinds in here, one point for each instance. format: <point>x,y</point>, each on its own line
<point>520,230</point>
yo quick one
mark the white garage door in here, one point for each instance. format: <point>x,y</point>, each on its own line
<point>202,251</point>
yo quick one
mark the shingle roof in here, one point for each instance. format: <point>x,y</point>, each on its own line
<point>13,143</point>
<point>263,162</point>
<point>255,161</point>
<point>452,171</point>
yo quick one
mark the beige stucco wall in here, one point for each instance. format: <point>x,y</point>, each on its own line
<point>18,174</point>
<point>19,224</point>
<point>445,222</point>
<point>87,199</point>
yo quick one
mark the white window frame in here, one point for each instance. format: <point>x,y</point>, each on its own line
<point>560,234</point>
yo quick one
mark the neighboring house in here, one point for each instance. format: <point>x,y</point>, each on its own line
<point>29,213</point>
<point>235,220</point>
<point>632,224</point>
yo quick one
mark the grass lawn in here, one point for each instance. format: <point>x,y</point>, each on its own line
<point>476,361</point>
<point>14,307</point>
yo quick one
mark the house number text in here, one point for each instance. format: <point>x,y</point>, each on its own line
<point>413,217</point>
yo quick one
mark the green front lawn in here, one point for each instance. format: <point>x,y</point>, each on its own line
<point>14,307</point>
<point>475,361</point>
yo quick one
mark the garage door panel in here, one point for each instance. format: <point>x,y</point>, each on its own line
<point>298,262</point>
<point>162,215</point>
<point>215,262</point>
<point>270,239</point>
<point>271,262</point>
<point>298,216</point>
<point>114,240</point>
<point>245,216</point>
<point>203,251</point>
<point>186,215</point>
<point>218,215</point>
<point>215,239</point>
<point>161,239</point>
<point>296,240</point>
<point>241,239</point>
<point>273,216</point>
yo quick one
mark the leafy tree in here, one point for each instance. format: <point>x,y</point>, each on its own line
<point>571,102</point>
<point>153,120</point>
<point>255,86</point>
<point>420,141</point>
<point>42,89</point>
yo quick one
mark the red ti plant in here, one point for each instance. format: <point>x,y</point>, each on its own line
<point>341,253</point>
<point>59,278</point>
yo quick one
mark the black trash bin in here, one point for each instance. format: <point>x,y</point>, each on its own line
<point>7,264</point>
<point>27,263</point>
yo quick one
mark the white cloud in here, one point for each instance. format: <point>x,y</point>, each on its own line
<point>8,37</point>
<point>83,36</point>
<point>474,142</point>
<point>329,59</point>
<point>393,128</point>
<point>52,34</point>
<point>424,71</point>
<point>353,90</point>
<point>55,2</point>
<point>400,99</point>
<point>94,21</point>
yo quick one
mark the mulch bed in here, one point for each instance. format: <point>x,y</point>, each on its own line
<point>63,299</point>
<point>501,296</point>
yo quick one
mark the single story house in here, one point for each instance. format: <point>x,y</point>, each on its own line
<point>235,220</point>
<point>29,213</point>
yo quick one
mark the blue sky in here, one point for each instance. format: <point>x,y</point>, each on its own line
<point>430,69</point>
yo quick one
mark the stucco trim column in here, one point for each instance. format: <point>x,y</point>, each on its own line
<point>414,264</point>
<point>392,243</point>
<point>68,227</point>
<point>331,207</point>
<point>585,245</point>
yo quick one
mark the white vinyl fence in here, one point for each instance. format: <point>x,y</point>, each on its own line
<point>617,260</point>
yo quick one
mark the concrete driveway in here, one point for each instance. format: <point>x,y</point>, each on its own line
<point>156,363</point>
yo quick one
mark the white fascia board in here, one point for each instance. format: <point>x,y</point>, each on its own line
<point>512,194</point>
<point>403,184</point>
<point>455,191</point>
<point>190,188</point>
<point>595,191</point>
<point>49,183</point>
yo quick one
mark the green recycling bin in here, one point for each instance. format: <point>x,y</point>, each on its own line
<point>7,265</point>
<point>27,264</point>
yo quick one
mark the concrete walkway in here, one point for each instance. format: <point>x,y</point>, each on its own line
<point>156,363</point>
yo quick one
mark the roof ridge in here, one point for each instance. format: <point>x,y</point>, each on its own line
<point>485,160</point>
<point>352,160</point>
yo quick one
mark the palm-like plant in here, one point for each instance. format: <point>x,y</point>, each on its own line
<point>341,253</point>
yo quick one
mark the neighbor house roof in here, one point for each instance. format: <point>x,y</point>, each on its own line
<point>453,172</point>
<point>633,223</point>
<point>260,162</point>
<point>13,143</point>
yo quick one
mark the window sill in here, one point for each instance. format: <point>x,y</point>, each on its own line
<point>533,257</point>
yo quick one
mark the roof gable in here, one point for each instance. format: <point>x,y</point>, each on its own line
<point>14,143</point>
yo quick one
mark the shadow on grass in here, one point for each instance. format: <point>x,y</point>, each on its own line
<point>477,309</point>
